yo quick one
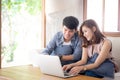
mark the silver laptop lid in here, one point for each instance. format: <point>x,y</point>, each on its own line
<point>50,65</point>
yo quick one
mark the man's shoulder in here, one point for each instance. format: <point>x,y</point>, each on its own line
<point>59,34</point>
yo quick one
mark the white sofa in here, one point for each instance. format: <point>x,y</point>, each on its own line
<point>116,53</point>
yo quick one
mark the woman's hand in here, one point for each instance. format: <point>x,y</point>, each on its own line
<point>75,70</point>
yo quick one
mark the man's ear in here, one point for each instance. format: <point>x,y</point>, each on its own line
<point>94,28</point>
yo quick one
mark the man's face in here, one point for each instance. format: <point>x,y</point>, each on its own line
<point>68,33</point>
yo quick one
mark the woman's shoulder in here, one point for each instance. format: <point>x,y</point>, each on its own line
<point>107,41</point>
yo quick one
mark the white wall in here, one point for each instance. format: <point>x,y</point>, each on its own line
<point>56,10</point>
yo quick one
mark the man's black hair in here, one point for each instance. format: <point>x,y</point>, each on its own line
<point>71,22</point>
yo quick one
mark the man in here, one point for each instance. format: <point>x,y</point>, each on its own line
<point>66,44</point>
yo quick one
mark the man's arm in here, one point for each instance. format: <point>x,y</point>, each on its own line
<point>51,46</point>
<point>77,53</point>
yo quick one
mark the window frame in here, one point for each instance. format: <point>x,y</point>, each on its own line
<point>111,34</point>
<point>119,15</point>
<point>0,34</point>
<point>43,30</point>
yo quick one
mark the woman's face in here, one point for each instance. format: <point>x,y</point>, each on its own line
<point>87,33</point>
<point>68,33</point>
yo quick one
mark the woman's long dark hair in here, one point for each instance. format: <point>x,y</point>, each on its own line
<point>98,35</point>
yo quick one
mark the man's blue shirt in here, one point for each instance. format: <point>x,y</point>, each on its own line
<point>56,47</point>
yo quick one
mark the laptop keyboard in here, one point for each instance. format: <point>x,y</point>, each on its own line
<point>66,74</point>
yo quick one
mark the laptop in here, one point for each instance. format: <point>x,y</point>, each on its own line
<point>51,65</point>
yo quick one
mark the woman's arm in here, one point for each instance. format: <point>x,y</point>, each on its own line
<point>103,55</point>
<point>84,57</point>
<point>81,62</point>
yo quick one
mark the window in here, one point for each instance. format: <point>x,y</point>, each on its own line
<point>111,16</point>
<point>106,13</point>
<point>21,30</point>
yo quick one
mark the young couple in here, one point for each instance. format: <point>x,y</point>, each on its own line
<point>86,51</point>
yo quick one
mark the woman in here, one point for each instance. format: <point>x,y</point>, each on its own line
<point>96,57</point>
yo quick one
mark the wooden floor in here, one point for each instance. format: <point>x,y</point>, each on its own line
<point>29,72</point>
